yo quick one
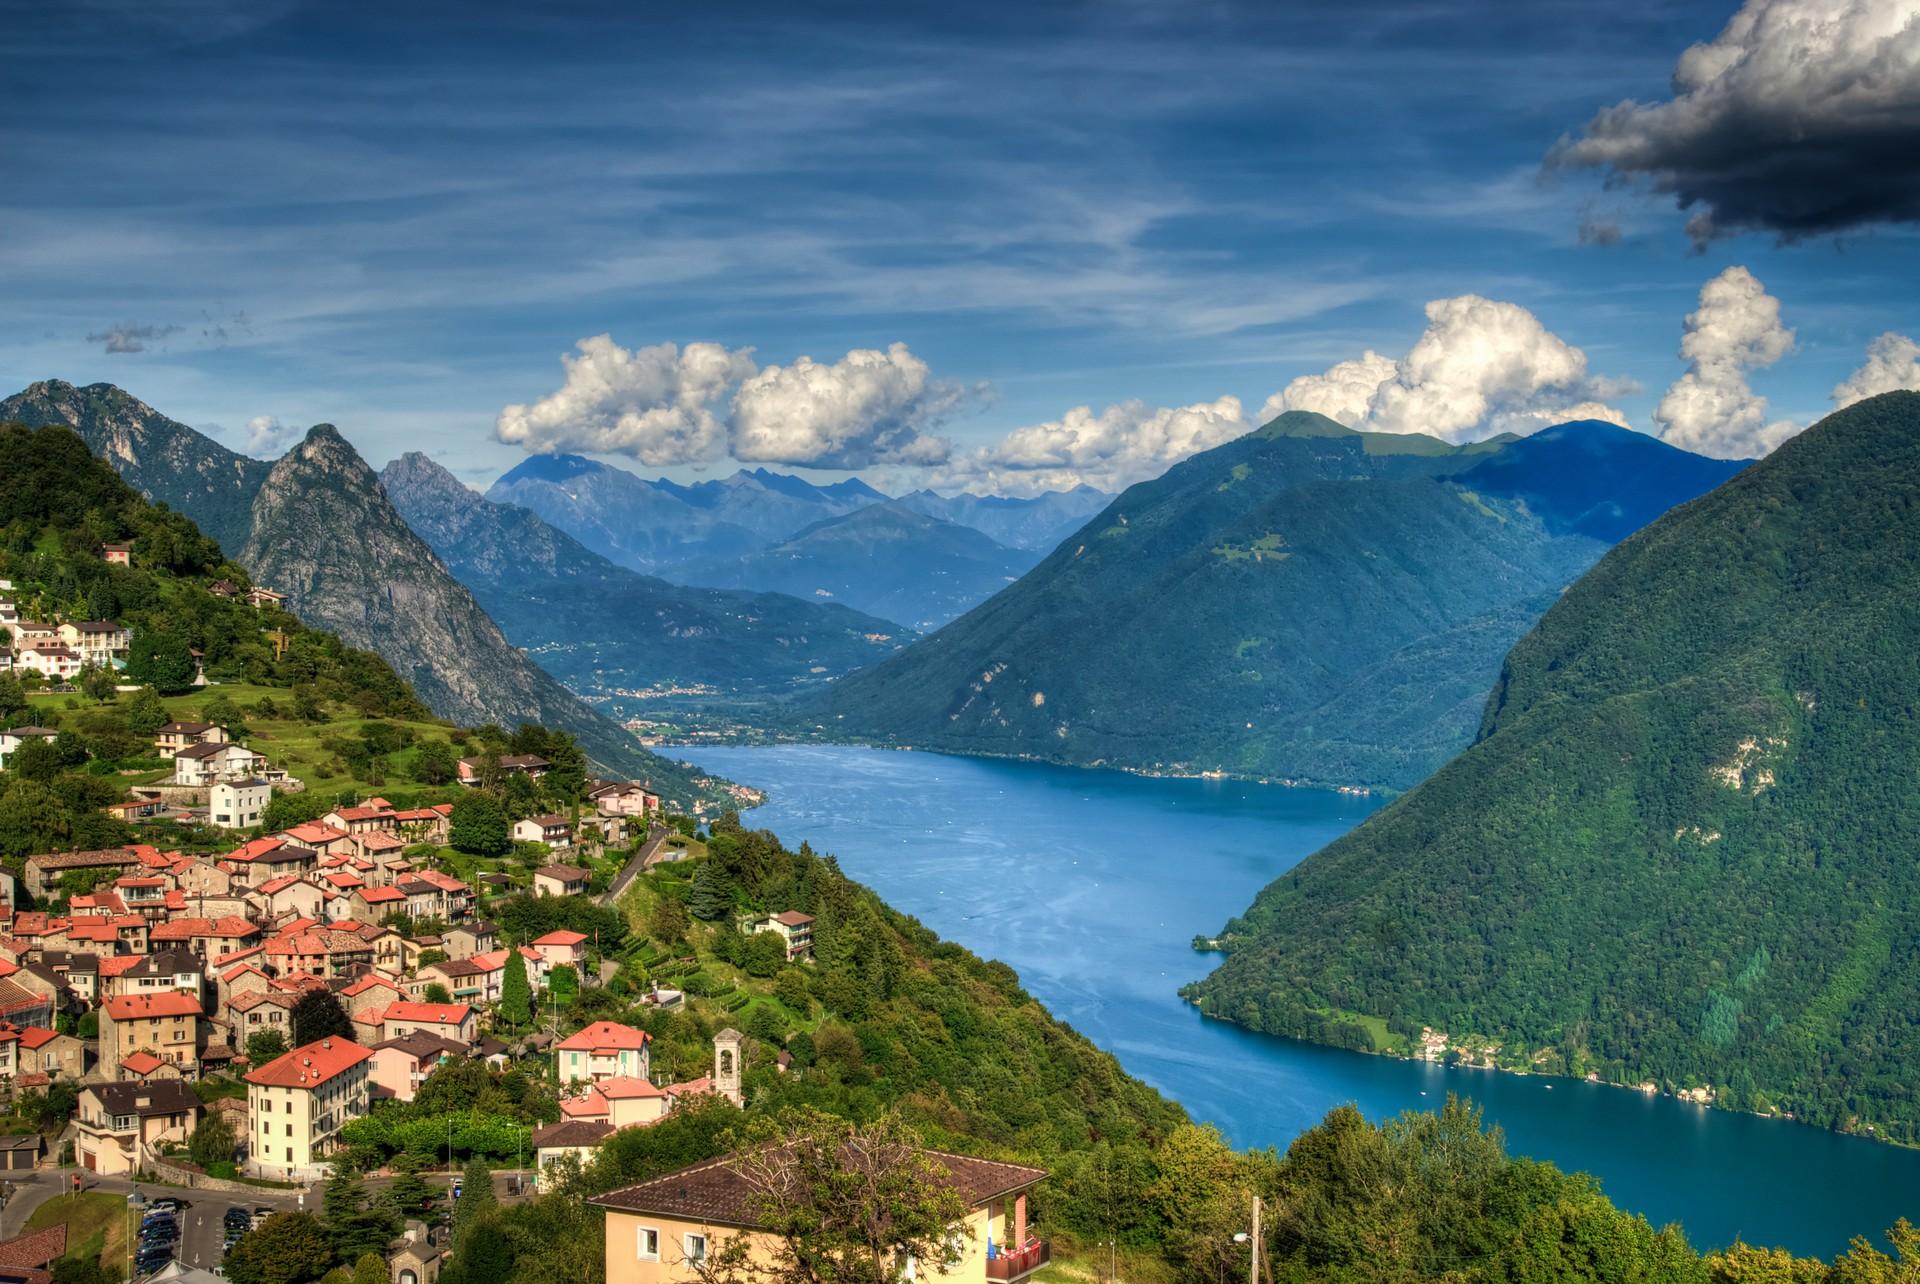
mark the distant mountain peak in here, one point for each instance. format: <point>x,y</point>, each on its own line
<point>548,468</point>
<point>1305,423</point>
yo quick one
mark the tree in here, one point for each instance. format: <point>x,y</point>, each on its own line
<point>32,819</point>
<point>793,992</point>
<point>478,826</point>
<point>476,1200</point>
<point>516,994</point>
<point>163,661</point>
<point>667,921</point>
<point>96,681</point>
<point>435,765</point>
<point>354,1226</point>
<point>13,698</point>
<point>409,1194</point>
<point>213,1141</point>
<point>288,1248</point>
<point>844,1204</point>
<point>264,1045</point>
<point>712,894</point>
<point>486,1257</point>
<point>563,983</point>
<point>370,1269</point>
<point>307,705</point>
<point>145,713</point>
<point>318,1015</point>
<point>435,992</point>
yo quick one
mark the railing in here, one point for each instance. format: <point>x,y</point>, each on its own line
<point>1008,1265</point>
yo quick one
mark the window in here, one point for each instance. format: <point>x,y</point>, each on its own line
<point>694,1248</point>
<point>649,1244</point>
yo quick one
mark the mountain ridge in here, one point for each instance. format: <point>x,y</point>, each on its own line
<point>1677,850</point>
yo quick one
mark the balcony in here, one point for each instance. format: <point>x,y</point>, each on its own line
<point>1007,1265</point>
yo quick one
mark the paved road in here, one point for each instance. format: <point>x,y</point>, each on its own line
<point>201,1228</point>
<point>632,869</point>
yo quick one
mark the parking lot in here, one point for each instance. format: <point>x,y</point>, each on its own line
<point>200,1219</point>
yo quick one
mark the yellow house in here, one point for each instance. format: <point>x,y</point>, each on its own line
<point>297,1104</point>
<point>658,1230</point>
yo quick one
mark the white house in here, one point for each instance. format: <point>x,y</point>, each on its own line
<point>237,804</point>
<point>554,831</point>
<point>54,662</point>
<point>205,764</point>
<point>11,740</point>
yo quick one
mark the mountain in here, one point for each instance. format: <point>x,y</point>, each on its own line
<point>885,558</point>
<point>1305,602</point>
<point>602,628</point>
<point>161,458</point>
<point>1680,850</point>
<point>1038,523</point>
<point>319,528</point>
<point>655,525</point>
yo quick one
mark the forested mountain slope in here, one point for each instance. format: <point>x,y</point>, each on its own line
<point>601,627</point>
<point>1306,602</point>
<point>1681,849</point>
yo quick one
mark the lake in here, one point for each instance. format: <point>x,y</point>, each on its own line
<point>1093,884</point>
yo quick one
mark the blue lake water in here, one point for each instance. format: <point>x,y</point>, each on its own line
<point>1093,884</point>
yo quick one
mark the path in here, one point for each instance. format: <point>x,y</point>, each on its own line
<point>644,859</point>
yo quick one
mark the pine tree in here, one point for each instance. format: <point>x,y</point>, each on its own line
<point>712,894</point>
<point>516,994</point>
<point>476,1200</point>
<point>409,1194</point>
<point>318,1015</point>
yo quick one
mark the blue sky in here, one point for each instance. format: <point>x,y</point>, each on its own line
<point>397,218</point>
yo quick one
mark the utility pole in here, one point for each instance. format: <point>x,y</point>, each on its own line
<point>1253,1271</point>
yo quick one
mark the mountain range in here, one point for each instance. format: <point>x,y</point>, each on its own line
<point>887,558</point>
<point>767,531</point>
<point>1679,850</point>
<point>1306,602</point>
<point>603,629</point>
<point>317,526</point>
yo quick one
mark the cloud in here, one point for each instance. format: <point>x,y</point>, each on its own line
<point>1342,394</point>
<point>267,436</point>
<point>1481,367</point>
<point>655,404</point>
<point>1798,119</point>
<point>867,408</point>
<point>1710,409</point>
<point>1597,229</point>
<point>1893,364</point>
<point>130,338</point>
<point>1123,444</point>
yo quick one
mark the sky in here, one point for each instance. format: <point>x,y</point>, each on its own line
<point>996,247</point>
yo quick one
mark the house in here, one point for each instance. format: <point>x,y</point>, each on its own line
<point>249,1012</point>
<point>289,894</point>
<point>145,1067</point>
<point>297,1104</point>
<point>603,1050</point>
<point>465,940</point>
<point>51,661</point>
<point>204,764</point>
<point>37,1050</point>
<point>165,971</point>
<point>319,837</point>
<point>14,737</point>
<point>794,929</point>
<point>577,1137</point>
<point>662,1230</point>
<point>423,824</point>
<point>121,1125</point>
<point>627,799</point>
<point>400,1065</point>
<point>258,597</point>
<point>117,554</point>
<point>370,993</point>
<point>98,642</point>
<point>137,806</point>
<point>45,870</point>
<point>238,804</point>
<point>471,771</point>
<point>554,831</point>
<point>322,951</point>
<point>562,948</point>
<point>261,860</point>
<point>412,1259</point>
<point>166,1024</point>
<point>375,904</point>
<point>22,1154</point>
<point>175,736</point>
<point>455,1022</point>
<point>561,880</point>
<point>359,820</point>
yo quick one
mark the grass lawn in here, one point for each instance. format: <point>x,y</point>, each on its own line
<point>289,743</point>
<point>97,1227</point>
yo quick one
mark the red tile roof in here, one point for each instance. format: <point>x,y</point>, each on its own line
<point>606,1035</point>
<point>561,936</point>
<point>135,1007</point>
<point>310,1066</point>
<point>437,1013</point>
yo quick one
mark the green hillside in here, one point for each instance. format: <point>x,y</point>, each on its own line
<point>1258,610</point>
<point>1681,850</point>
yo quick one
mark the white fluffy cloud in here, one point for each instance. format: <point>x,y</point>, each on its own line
<point>1893,364</point>
<point>1710,409</point>
<point>655,404</point>
<point>267,436</point>
<point>1122,444</point>
<point>867,408</point>
<point>1798,118</point>
<point>1481,367</point>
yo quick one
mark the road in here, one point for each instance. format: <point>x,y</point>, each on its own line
<point>633,868</point>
